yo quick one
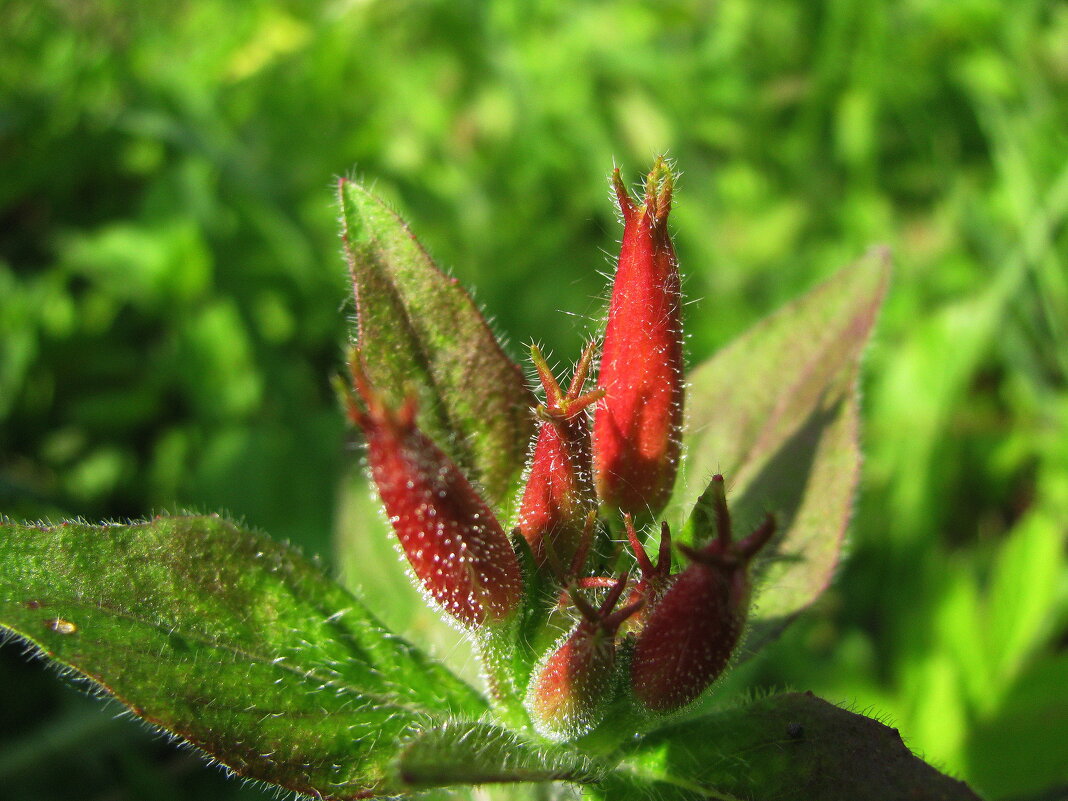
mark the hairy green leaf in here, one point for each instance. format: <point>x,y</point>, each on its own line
<point>419,331</point>
<point>231,641</point>
<point>782,747</point>
<point>776,413</point>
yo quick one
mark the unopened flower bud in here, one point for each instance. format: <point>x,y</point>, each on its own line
<point>452,540</point>
<point>690,634</point>
<point>636,436</point>
<point>559,492</point>
<point>573,686</point>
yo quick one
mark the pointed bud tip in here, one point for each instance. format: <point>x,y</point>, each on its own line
<point>623,198</point>
<point>659,187</point>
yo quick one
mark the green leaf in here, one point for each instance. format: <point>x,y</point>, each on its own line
<point>776,413</point>
<point>782,747</point>
<point>480,753</point>
<point>419,331</point>
<point>231,641</point>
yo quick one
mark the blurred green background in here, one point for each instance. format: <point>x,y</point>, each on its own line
<point>173,301</point>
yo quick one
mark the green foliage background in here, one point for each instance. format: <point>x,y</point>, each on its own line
<point>171,295</point>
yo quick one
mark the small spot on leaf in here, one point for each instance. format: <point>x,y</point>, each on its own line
<point>60,626</point>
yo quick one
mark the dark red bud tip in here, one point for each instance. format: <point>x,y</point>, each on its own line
<point>452,540</point>
<point>663,557</point>
<point>762,534</point>
<point>588,530</point>
<point>636,545</point>
<point>612,598</point>
<point>655,579</point>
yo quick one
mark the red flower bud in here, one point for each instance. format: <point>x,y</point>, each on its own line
<point>452,540</point>
<point>559,492</point>
<point>689,636</point>
<point>572,687</point>
<point>637,428</point>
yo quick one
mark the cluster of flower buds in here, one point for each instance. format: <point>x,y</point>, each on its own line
<point>602,458</point>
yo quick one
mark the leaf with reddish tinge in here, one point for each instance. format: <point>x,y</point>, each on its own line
<point>776,412</point>
<point>419,331</point>
<point>231,641</point>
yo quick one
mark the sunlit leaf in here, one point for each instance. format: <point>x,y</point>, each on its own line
<point>231,641</point>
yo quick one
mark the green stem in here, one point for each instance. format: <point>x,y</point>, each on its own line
<point>495,649</point>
